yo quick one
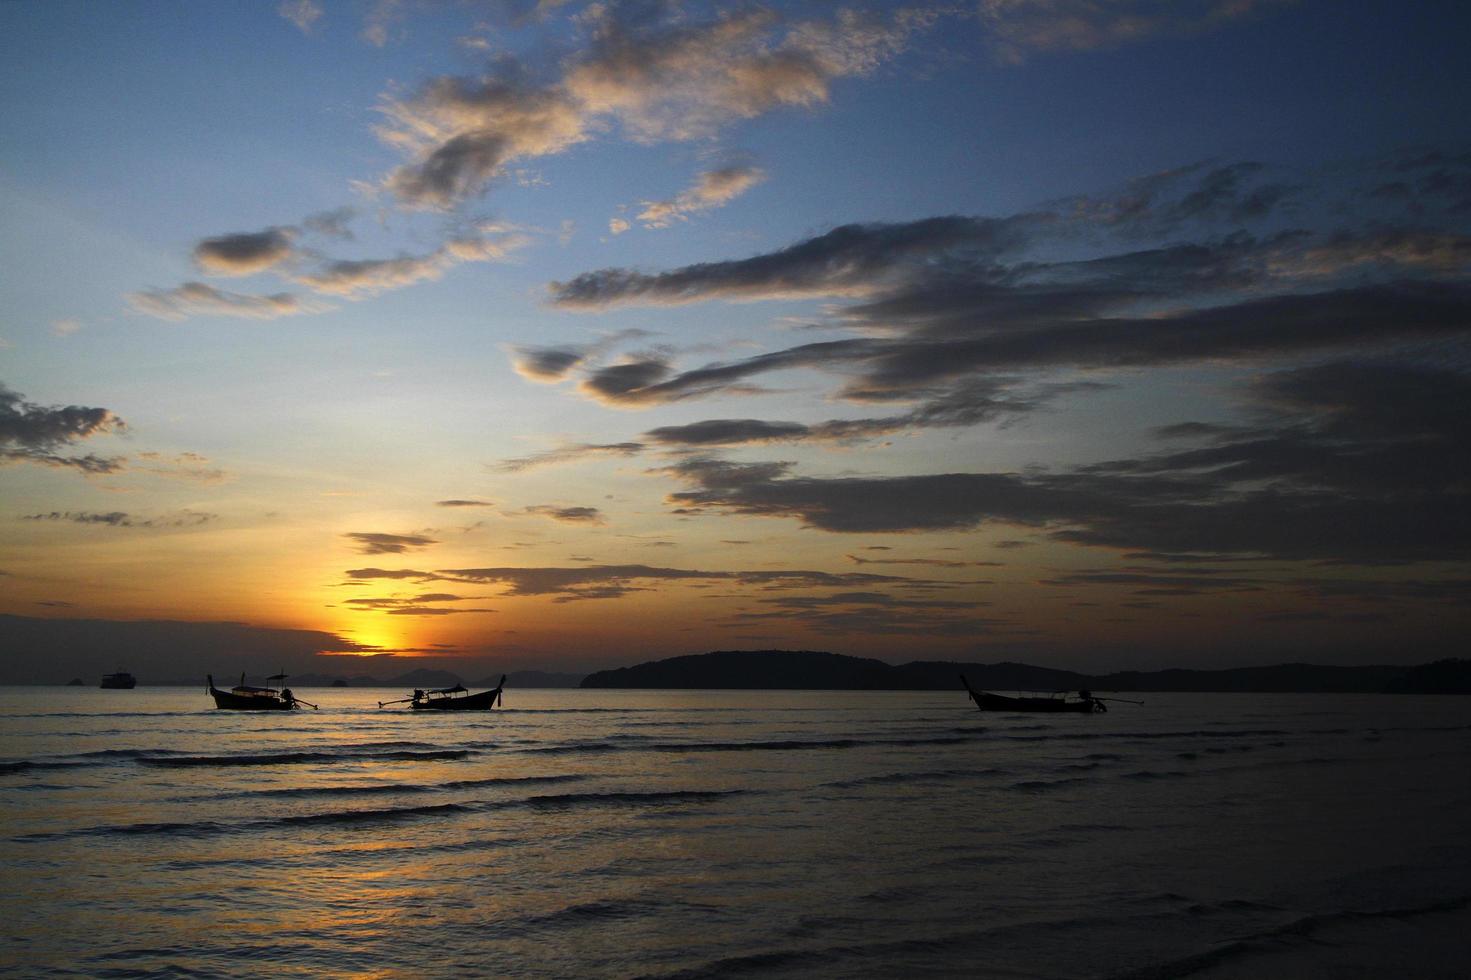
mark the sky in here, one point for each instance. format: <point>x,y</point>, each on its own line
<point>1100,334</point>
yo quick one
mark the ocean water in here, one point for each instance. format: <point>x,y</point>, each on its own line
<point>731,834</point>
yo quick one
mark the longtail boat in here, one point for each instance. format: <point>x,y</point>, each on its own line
<point>1084,703</point>
<point>121,681</point>
<point>457,698</point>
<point>243,697</point>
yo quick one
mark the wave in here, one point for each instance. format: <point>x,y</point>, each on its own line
<point>773,745</point>
<point>1274,943</point>
<point>31,765</point>
<point>891,778</point>
<point>207,828</point>
<point>569,800</point>
<point>294,792</point>
<point>302,758</point>
<point>1035,785</point>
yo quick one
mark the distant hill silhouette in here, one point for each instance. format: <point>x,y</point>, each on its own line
<point>810,670</point>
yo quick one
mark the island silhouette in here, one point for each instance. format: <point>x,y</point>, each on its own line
<point>814,670</point>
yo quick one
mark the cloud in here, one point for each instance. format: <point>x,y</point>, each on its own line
<point>462,132</point>
<point>463,503</point>
<point>1018,28</point>
<point>1356,462</point>
<point>649,73</point>
<point>376,543</point>
<point>1204,193</point>
<point>303,13</point>
<point>333,223</point>
<point>961,404</point>
<point>614,581</point>
<point>420,605</point>
<point>184,518</point>
<point>245,253</point>
<point>934,562</point>
<point>34,433</point>
<point>849,260</point>
<point>568,454</point>
<point>546,364</point>
<point>568,515</point>
<point>712,189</point>
<point>379,21</point>
<point>352,278</point>
<point>201,299</point>
<point>941,310</point>
<point>65,327</point>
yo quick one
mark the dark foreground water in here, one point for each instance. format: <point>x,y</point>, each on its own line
<point>729,834</point>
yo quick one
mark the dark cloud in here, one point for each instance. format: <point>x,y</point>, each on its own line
<point>727,432</point>
<point>546,363</point>
<point>568,515</point>
<point>244,253</point>
<point>420,605</point>
<point>935,562</point>
<point>956,315</point>
<point>1202,194</point>
<point>377,543</point>
<point>462,503</point>
<point>1355,462</point>
<point>850,260</point>
<point>612,581</point>
<point>33,433</point>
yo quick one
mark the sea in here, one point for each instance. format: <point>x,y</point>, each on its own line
<point>609,833</point>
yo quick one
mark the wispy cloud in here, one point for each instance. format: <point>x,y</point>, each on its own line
<point>1018,28</point>
<point>303,13</point>
<point>117,518</point>
<point>712,189</point>
<point>201,299</point>
<point>566,584</point>
<point>378,543</point>
<point>568,454</point>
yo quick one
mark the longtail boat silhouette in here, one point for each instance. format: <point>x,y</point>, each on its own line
<point>1084,703</point>
<point>121,681</point>
<point>243,697</point>
<point>455,698</point>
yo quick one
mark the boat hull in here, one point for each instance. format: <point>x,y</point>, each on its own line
<point>250,702</point>
<point>118,682</point>
<point>483,701</point>
<point>997,702</point>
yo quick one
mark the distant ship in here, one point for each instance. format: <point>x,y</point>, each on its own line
<point>121,681</point>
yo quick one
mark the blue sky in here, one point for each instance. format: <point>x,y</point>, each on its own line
<point>1062,330</point>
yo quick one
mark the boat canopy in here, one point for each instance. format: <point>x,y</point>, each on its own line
<point>457,689</point>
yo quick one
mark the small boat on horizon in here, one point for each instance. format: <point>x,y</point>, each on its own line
<point>121,681</point>
<point>243,697</point>
<point>457,698</point>
<point>1084,703</point>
